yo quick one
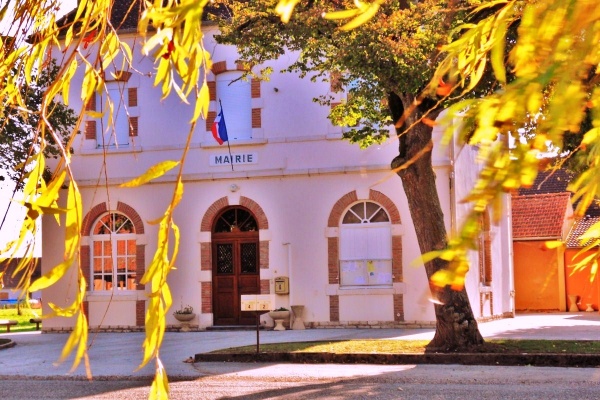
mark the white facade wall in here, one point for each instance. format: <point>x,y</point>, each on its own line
<point>301,169</point>
<point>486,300</point>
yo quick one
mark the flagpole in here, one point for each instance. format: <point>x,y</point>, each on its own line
<point>230,156</point>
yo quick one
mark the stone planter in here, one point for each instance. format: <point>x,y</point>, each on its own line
<point>279,317</point>
<point>184,319</point>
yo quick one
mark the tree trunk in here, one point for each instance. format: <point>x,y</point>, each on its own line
<point>456,327</point>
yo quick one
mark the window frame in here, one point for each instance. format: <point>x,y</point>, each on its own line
<point>114,131</point>
<point>113,238</point>
<point>374,274</point>
<point>234,97</point>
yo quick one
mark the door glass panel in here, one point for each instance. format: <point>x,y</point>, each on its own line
<point>226,222</point>
<point>225,258</point>
<point>235,220</point>
<point>248,258</point>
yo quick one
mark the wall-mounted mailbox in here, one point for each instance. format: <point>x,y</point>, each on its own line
<point>282,285</point>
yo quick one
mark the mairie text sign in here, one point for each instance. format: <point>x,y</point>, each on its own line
<point>235,159</point>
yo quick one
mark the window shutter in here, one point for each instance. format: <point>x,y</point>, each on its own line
<point>90,126</point>
<point>90,129</point>
<point>91,104</point>
<point>379,243</point>
<point>133,126</point>
<point>132,99</point>
<point>353,244</point>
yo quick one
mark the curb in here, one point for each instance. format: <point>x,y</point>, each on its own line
<point>7,345</point>
<point>532,359</point>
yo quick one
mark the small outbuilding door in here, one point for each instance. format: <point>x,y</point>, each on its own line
<point>235,255</point>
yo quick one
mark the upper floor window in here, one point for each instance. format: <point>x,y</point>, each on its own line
<point>114,263</point>
<point>118,107</point>
<point>114,128</point>
<point>366,246</point>
<point>236,102</point>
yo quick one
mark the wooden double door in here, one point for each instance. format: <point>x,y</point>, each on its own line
<point>235,272</point>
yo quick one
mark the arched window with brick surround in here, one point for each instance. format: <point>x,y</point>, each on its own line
<point>335,222</point>
<point>365,246</point>
<point>112,249</point>
<point>114,253</point>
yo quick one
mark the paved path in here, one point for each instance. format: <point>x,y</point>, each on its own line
<point>119,354</point>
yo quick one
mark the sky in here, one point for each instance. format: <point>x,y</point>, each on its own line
<point>11,227</point>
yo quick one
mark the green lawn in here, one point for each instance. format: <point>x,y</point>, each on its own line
<point>418,346</point>
<point>23,319</point>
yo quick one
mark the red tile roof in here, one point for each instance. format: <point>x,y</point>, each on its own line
<point>539,215</point>
<point>549,181</point>
<point>125,14</point>
<point>556,181</point>
<point>578,229</point>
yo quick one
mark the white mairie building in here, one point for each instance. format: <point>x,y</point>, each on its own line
<point>285,197</point>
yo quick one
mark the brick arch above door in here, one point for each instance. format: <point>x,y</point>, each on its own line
<point>217,206</point>
<point>205,248</point>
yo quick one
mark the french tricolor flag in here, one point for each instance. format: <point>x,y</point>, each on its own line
<point>219,130</point>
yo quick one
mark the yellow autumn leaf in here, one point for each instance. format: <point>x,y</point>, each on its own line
<point>66,81</point>
<point>73,221</point>
<point>202,103</point>
<point>77,340</point>
<point>109,49</point>
<point>591,136</point>
<point>50,195</point>
<point>51,276</point>
<point>160,385</point>
<point>285,8</point>
<point>553,244</point>
<point>427,257</point>
<point>153,172</point>
<point>94,114</point>
<point>91,81</point>
<point>177,196</point>
<point>592,232</point>
<point>364,16</point>
<point>594,270</point>
<point>343,14</point>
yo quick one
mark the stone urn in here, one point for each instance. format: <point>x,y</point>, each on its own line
<point>573,301</point>
<point>184,319</point>
<point>279,317</point>
<point>298,322</point>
